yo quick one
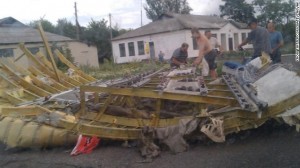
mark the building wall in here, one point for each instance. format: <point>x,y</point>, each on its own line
<point>17,53</point>
<point>165,42</point>
<point>82,54</point>
<point>168,42</point>
<point>230,31</point>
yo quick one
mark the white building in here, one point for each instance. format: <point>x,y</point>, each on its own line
<point>170,31</point>
<point>13,32</point>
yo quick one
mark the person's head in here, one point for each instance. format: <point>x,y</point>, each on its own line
<point>252,24</point>
<point>271,27</point>
<point>184,47</point>
<point>195,32</point>
<point>207,33</point>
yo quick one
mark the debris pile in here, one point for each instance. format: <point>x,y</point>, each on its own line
<point>52,108</point>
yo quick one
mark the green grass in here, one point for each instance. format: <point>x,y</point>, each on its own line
<point>110,70</point>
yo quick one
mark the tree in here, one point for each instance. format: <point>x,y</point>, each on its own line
<point>155,8</point>
<point>237,10</point>
<point>279,11</point>
<point>98,33</point>
<point>47,25</point>
<point>288,32</point>
<point>65,28</point>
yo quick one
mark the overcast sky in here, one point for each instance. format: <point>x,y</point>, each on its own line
<point>125,13</point>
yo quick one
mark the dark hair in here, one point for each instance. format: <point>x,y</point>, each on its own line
<point>194,30</point>
<point>184,45</point>
<point>253,20</point>
<point>207,31</point>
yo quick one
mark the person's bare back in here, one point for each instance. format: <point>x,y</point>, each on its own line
<point>205,51</point>
<point>204,46</point>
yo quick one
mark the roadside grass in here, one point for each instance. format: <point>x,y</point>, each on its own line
<point>110,70</point>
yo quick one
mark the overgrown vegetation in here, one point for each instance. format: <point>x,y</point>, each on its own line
<point>155,8</point>
<point>66,52</point>
<point>96,33</point>
<point>109,70</point>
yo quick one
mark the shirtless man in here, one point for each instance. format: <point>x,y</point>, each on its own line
<point>206,51</point>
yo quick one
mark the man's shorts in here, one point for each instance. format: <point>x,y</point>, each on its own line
<point>210,59</point>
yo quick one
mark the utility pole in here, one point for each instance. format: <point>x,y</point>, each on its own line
<point>110,29</point>
<point>141,13</point>
<point>77,24</point>
<point>109,15</point>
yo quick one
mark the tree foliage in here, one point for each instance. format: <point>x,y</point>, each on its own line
<point>96,33</point>
<point>47,25</point>
<point>279,11</point>
<point>65,28</point>
<point>155,8</point>
<point>288,31</point>
<point>237,10</point>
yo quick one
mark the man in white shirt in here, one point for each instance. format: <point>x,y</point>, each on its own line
<point>213,42</point>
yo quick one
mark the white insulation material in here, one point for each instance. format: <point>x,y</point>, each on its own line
<point>278,85</point>
<point>180,71</point>
<point>291,112</point>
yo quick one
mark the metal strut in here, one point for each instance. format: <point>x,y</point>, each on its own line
<point>244,103</point>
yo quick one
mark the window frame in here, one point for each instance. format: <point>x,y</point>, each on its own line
<point>6,52</point>
<point>122,49</point>
<point>131,49</point>
<point>141,47</point>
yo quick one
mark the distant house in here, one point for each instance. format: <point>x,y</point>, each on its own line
<point>13,32</point>
<point>170,31</point>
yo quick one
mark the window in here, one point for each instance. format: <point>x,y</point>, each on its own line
<point>243,36</point>
<point>122,50</point>
<point>34,50</point>
<point>131,49</point>
<point>7,52</point>
<point>214,35</point>
<point>141,47</point>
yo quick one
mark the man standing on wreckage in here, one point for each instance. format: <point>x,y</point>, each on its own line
<point>259,36</point>
<point>205,51</point>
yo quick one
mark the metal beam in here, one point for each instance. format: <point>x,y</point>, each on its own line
<point>161,95</point>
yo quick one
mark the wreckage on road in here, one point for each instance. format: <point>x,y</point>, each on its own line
<point>165,104</point>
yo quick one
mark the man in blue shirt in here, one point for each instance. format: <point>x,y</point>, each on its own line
<point>276,41</point>
<point>259,36</point>
<point>180,56</point>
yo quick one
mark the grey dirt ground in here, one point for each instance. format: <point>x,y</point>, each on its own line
<point>263,147</point>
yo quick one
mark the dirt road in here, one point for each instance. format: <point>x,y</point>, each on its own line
<point>262,148</point>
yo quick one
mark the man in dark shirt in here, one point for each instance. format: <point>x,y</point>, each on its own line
<point>179,56</point>
<point>259,36</point>
<point>276,41</point>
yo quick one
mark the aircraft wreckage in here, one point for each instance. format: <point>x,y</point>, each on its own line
<point>42,106</point>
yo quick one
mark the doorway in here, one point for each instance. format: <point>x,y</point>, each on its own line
<point>152,50</point>
<point>230,43</point>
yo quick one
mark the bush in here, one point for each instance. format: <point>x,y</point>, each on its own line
<point>110,70</point>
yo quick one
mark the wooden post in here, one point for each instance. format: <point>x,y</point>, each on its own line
<point>48,50</point>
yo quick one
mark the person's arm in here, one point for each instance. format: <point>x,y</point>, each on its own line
<point>204,49</point>
<point>221,49</point>
<point>198,60</point>
<point>248,39</point>
<point>243,43</point>
<point>176,62</point>
<point>280,43</point>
